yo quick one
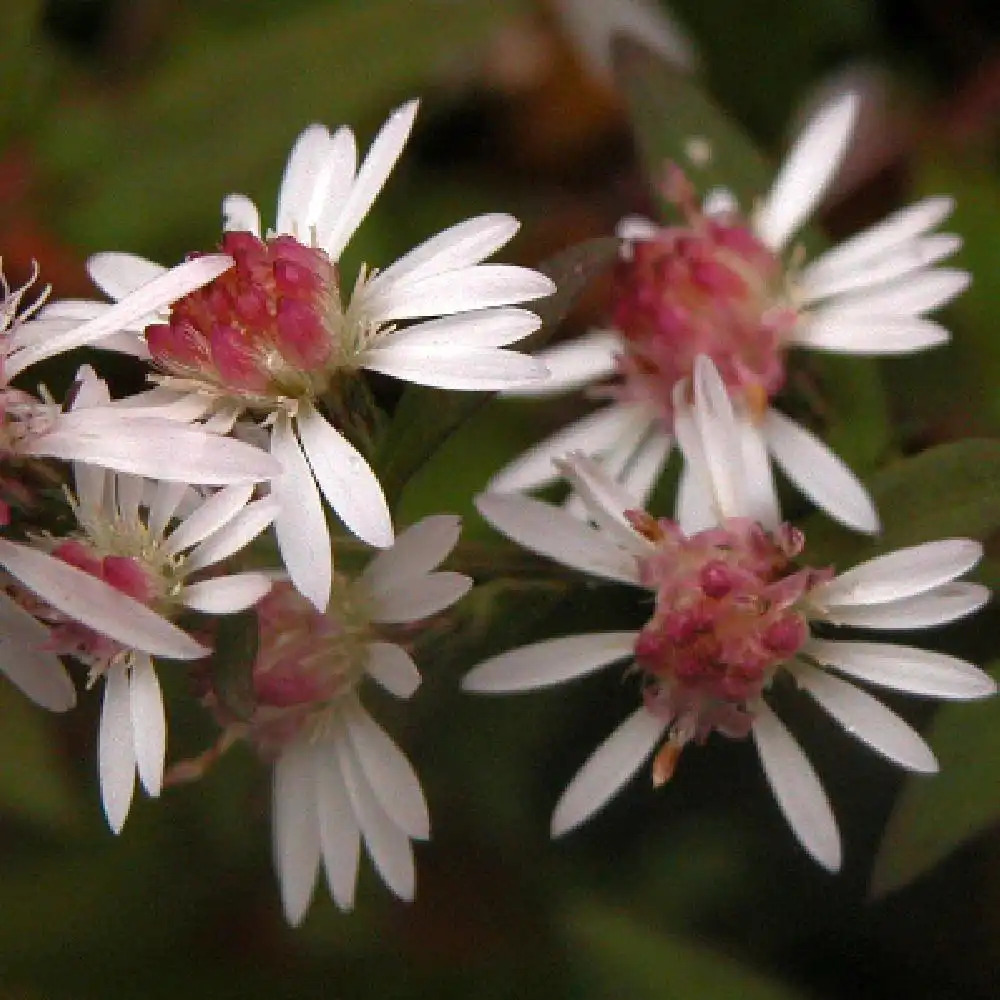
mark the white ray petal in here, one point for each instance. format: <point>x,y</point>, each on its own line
<point>208,517</point>
<point>695,507</point>
<point>239,532</point>
<point>115,752</point>
<point>390,775</point>
<point>643,472</point>
<point>577,363</point>
<point>339,833</point>
<point>343,167</point>
<point>305,182</point>
<point>295,826</point>
<point>819,473</point>
<point>300,524</point>
<point>480,328</point>
<point>904,668</point>
<point>911,295</point>
<point>419,549</point>
<point>830,330</point>
<point>480,369</point>
<point>554,533</point>
<point>761,493</point>
<point>807,171</point>
<point>119,274</point>
<point>544,664</point>
<point>934,607</point>
<point>391,666</point>
<point>607,769</point>
<point>867,719</point>
<point>412,600</point>
<point>129,493</point>
<point>240,215</point>
<point>226,595</point>
<point>902,573</point>
<point>149,724</point>
<point>166,500</point>
<point>36,671</point>
<point>96,604</point>
<point>796,788</point>
<point>378,163</point>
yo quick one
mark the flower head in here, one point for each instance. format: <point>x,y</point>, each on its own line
<point>730,285</point>
<point>735,608</point>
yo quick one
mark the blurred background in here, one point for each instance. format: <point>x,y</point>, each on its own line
<point>122,125</point>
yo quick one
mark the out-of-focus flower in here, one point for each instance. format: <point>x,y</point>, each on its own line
<point>734,610</point>
<point>338,777</point>
<point>731,287</point>
<point>275,337</point>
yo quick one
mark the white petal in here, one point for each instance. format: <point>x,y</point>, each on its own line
<point>866,334</point>
<point>305,182</point>
<point>342,166</point>
<point>608,768</point>
<point>483,369</point>
<point>378,163</point>
<point>300,524</point>
<point>208,517</point>
<point>480,328</point>
<point>904,668</point>
<point>695,508</point>
<point>393,668</point>
<point>339,833</point>
<point>796,788</point>
<point>346,479</point>
<point>807,171</point>
<point>240,215</point>
<point>226,595</point>
<point>166,499</point>
<point>390,775</point>
<point>149,724</point>
<point>867,719</point>
<point>411,600</point>
<point>902,573</point>
<point>295,825</point>
<point>912,295</point>
<point>115,753</point>
<point>234,536</point>
<point>554,533</point>
<point>577,363</point>
<point>761,493</point>
<point>819,473</point>
<point>38,672</point>
<point>644,470</point>
<point>119,274</point>
<point>96,604</point>
<point>419,549</point>
<point>544,664</point>
<point>935,607</point>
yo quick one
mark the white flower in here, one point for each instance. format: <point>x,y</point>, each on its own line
<point>733,612</point>
<point>736,290</point>
<point>275,336</point>
<point>338,777</point>
<point>110,593</point>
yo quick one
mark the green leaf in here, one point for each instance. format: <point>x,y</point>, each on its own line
<point>624,957</point>
<point>936,814</point>
<point>232,663</point>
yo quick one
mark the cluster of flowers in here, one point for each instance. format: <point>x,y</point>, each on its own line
<point>257,414</point>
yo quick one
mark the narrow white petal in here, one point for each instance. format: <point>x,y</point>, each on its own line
<point>935,607</point>
<point>378,163</point>
<point>819,473</point>
<point>37,672</point>
<point>390,775</point>
<point>339,833</point>
<point>69,309</point>
<point>239,532</point>
<point>300,524</point>
<point>609,767</point>
<point>643,473</point>
<point>554,533</point>
<point>902,573</point>
<point>240,215</point>
<point>912,295</point>
<point>544,664</point>
<point>342,166</point>
<point>393,668</point>
<point>295,825</point>
<point>226,595</point>
<point>848,333</point>
<point>577,363</point>
<point>904,668</point>
<point>868,719</point>
<point>305,181</point>
<point>129,490</point>
<point>115,752</point>
<point>796,788</point>
<point>761,493</point>
<point>695,508</point>
<point>480,328</point>
<point>411,600</point>
<point>208,517</point>
<point>149,724</point>
<point>483,369</point>
<point>119,274</point>
<point>166,499</point>
<point>96,604</point>
<point>807,171</point>
<point>419,549</point>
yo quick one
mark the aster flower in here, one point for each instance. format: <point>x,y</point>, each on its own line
<point>338,777</point>
<point>144,553</point>
<point>275,337</point>
<point>735,288</point>
<point>734,610</point>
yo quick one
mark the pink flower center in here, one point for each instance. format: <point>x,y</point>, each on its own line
<point>262,327</point>
<point>706,287</point>
<point>727,615</point>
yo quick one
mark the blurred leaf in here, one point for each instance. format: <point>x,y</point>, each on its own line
<point>232,663</point>
<point>952,490</point>
<point>624,957</point>
<point>936,814</point>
